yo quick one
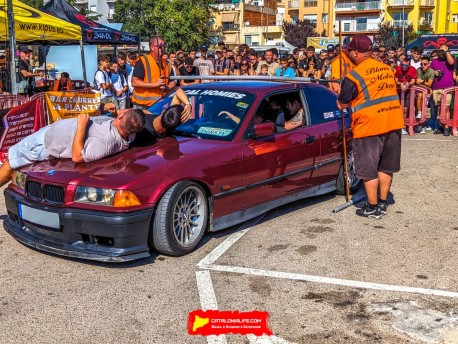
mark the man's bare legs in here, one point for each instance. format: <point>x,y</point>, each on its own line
<point>6,173</point>
<point>371,186</point>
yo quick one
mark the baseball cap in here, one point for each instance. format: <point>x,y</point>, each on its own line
<point>346,42</point>
<point>25,49</point>
<point>360,43</point>
<point>330,47</point>
<point>203,48</point>
<point>323,51</point>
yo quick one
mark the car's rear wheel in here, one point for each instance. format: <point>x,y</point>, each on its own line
<point>181,219</point>
<point>353,181</point>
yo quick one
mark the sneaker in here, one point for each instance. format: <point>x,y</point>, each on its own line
<point>422,131</point>
<point>368,211</point>
<point>418,116</point>
<point>404,132</point>
<point>428,128</point>
<point>437,131</point>
<point>447,131</point>
<point>382,206</point>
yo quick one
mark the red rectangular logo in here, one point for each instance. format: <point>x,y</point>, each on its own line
<point>215,322</point>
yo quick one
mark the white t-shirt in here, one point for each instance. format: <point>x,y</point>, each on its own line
<point>205,67</point>
<point>102,77</point>
<point>102,139</point>
<point>414,64</point>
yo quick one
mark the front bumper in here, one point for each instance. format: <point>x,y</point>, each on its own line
<point>85,234</point>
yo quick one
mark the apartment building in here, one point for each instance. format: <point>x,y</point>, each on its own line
<point>103,7</point>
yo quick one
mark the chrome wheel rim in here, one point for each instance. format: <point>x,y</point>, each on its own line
<point>189,216</point>
<point>352,179</point>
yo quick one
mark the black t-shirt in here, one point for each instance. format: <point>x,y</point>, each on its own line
<point>348,91</point>
<point>184,72</point>
<point>23,65</point>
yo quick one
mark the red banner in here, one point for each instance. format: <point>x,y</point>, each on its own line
<point>214,322</point>
<point>19,122</point>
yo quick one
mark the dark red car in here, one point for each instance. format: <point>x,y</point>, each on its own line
<point>231,162</point>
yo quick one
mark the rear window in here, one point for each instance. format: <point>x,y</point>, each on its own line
<point>322,105</point>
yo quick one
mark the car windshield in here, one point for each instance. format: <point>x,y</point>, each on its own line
<point>216,114</point>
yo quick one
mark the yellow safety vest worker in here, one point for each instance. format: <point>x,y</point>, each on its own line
<point>376,110</point>
<point>147,96</point>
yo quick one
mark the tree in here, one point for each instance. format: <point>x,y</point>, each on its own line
<point>183,24</point>
<point>34,3</point>
<point>391,36</point>
<point>297,34</point>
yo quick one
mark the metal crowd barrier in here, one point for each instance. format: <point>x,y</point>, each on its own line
<point>11,100</point>
<point>411,121</point>
<point>452,122</point>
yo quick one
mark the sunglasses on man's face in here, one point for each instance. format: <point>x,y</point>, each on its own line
<point>424,64</point>
<point>382,51</point>
<point>244,64</point>
<point>186,66</point>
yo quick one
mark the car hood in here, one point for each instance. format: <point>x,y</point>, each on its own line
<point>138,165</point>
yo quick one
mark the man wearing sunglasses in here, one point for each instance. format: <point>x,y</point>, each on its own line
<point>189,69</point>
<point>425,80</point>
<point>370,91</point>
<point>405,77</point>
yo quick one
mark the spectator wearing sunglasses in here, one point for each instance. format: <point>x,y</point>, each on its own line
<point>245,68</point>
<point>425,80</point>
<point>405,77</point>
<point>189,69</point>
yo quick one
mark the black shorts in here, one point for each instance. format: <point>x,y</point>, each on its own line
<point>380,153</point>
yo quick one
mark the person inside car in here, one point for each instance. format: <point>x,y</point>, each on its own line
<point>294,107</point>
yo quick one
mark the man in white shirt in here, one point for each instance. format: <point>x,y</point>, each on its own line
<point>120,85</point>
<point>102,82</point>
<point>205,66</point>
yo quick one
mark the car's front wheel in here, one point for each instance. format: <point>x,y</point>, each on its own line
<point>353,181</point>
<point>180,220</point>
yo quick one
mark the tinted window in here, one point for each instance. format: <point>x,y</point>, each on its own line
<point>321,104</point>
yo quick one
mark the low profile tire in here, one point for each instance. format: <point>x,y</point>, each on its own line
<point>353,181</point>
<point>181,219</point>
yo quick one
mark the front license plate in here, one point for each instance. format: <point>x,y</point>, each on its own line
<point>39,217</point>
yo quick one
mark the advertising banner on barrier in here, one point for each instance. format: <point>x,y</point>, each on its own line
<point>63,105</point>
<point>17,123</point>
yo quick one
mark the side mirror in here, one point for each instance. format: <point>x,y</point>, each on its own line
<point>263,129</point>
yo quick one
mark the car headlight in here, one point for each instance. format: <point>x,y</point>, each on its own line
<point>19,179</point>
<point>107,197</point>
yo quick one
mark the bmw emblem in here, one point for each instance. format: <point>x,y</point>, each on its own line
<point>50,172</point>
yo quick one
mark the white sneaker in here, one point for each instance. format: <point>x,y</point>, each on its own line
<point>404,132</point>
<point>428,128</point>
<point>418,115</point>
<point>423,131</point>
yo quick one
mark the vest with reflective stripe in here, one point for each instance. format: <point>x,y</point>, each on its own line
<point>376,109</point>
<point>147,96</point>
<point>64,88</point>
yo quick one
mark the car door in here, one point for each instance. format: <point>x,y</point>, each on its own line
<point>325,117</point>
<point>278,165</point>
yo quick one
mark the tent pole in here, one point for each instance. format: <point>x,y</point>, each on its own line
<point>83,62</point>
<point>12,45</point>
<point>115,52</point>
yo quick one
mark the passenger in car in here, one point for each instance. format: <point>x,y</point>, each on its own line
<point>294,106</point>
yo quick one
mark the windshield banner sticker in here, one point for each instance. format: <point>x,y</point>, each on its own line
<point>214,131</point>
<point>233,95</point>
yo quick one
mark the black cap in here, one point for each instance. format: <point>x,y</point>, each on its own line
<point>330,47</point>
<point>203,48</point>
<point>25,48</point>
<point>323,51</point>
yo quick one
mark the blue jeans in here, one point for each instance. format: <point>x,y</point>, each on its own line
<point>433,122</point>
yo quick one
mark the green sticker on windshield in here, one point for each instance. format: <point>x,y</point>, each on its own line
<point>214,131</point>
<point>242,105</point>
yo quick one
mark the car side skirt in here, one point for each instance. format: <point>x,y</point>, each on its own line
<point>250,213</point>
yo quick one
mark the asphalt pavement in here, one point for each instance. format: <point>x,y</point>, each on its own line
<point>323,277</point>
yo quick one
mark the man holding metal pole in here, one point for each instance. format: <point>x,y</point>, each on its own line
<point>370,91</point>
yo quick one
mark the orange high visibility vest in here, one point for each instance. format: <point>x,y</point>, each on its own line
<point>148,96</point>
<point>65,88</point>
<point>345,67</point>
<point>376,110</point>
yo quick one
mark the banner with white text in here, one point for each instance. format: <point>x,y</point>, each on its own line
<point>63,105</point>
<point>17,123</point>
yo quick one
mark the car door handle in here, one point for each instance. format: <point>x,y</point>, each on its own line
<point>310,139</point>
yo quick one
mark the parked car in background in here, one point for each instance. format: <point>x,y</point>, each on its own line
<point>227,164</point>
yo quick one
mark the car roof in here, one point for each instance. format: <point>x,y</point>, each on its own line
<point>250,86</point>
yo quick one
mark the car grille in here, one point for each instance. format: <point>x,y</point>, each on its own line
<point>48,193</point>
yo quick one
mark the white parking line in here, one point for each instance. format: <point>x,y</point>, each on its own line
<point>329,280</point>
<point>437,140</point>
